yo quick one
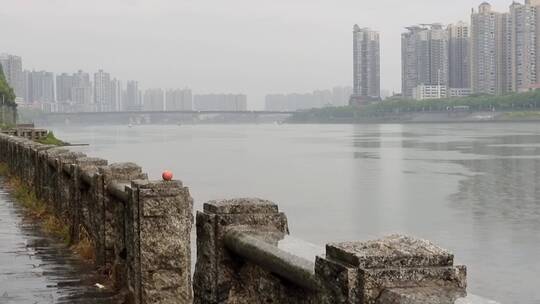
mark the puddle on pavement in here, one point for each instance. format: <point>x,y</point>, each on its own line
<point>35,268</point>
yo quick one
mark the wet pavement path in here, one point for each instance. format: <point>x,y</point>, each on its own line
<point>35,268</point>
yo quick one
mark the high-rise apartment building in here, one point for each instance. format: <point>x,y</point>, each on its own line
<point>26,85</point>
<point>424,53</point>
<point>64,86</point>
<point>488,51</point>
<point>133,98</point>
<point>522,34</point>
<point>153,100</point>
<point>220,102</point>
<point>102,92</point>
<point>116,95</point>
<point>505,48</point>
<point>81,92</point>
<point>12,67</point>
<point>179,100</point>
<point>366,66</point>
<point>40,86</point>
<point>459,71</point>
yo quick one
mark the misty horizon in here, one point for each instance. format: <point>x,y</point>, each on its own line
<point>244,47</point>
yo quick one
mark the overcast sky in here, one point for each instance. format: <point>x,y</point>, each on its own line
<point>236,46</point>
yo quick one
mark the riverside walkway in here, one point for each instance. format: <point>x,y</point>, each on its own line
<point>35,268</point>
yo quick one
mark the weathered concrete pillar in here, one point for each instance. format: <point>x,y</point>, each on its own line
<point>39,152</point>
<point>158,230</point>
<point>220,277</point>
<point>115,209</point>
<point>3,147</point>
<point>31,162</point>
<point>15,154</point>
<point>49,175</point>
<point>69,192</point>
<point>26,172</point>
<point>66,194</point>
<point>92,211</point>
<point>396,267</point>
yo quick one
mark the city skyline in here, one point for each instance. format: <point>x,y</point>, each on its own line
<point>101,92</point>
<point>275,60</point>
<point>447,54</point>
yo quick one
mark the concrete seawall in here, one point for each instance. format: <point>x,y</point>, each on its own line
<point>140,231</point>
<point>240,260</point>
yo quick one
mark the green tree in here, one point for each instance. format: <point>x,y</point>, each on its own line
<point>514,102</point>
<point>7,95</point>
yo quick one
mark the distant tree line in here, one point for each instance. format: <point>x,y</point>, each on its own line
<point>511,102</point>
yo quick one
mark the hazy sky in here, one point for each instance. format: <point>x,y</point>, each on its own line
<point>238,46</point>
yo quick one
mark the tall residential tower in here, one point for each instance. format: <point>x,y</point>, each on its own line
<point>424,57</point>
<point>366,69</point>
<point>522,35</point>
<point>81,92</point>
<point>102,92</point>
<point>459,70</point>
<point>40,86</point>
<point>12,66</point>
<point>488,52</point>
<point>132,101</point>
<point>64,86</point>
<point>178,100</point>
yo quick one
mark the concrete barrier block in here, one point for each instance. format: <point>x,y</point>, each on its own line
<point>115,211</point>
<point>359,272</point>
<point>92,210</point>
<point>164,238</point>
<point>220,276</point>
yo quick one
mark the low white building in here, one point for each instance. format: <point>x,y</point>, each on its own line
<point>459,92</point>
<point>425,91</point>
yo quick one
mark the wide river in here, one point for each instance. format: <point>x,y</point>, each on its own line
<point>472,188</point>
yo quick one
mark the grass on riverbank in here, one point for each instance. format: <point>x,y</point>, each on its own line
<point>52,140</point>
<point>5,126</point>
<point>522,115</point>
<point>40,212</point>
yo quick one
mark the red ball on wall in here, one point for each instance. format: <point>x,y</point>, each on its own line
<point>167,176</point>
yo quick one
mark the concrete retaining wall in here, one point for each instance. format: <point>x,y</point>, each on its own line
<point>26,132</point>
<point>140,229</point>
<point>240,260</point>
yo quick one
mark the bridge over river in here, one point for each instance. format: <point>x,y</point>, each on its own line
<point>146,117</point>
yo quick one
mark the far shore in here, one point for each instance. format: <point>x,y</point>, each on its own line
<point>429,117</point>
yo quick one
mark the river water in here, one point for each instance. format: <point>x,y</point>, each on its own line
<point>472,188</point>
